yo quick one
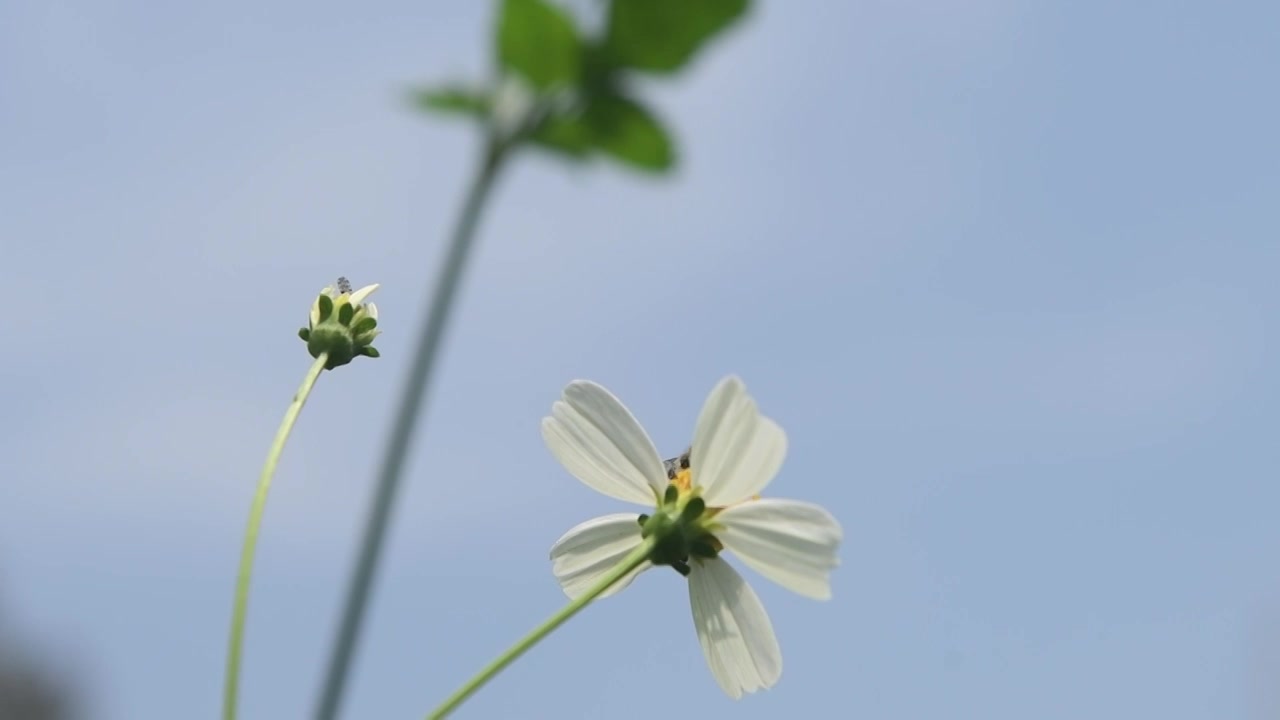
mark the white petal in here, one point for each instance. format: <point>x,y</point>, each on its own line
<point>591,549</point>
<point>733,629</point>
<point>790,542</point>
<point>371,310</point>
<point>736,451</point>
<point>358,296</point>
<point>598,440</point>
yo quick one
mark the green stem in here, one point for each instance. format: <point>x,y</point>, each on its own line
<point>435,318</point>
<point>231,690</point>
<point>629,563</point>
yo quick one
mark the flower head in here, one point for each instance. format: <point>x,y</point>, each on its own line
<point>342,324</point>
<point>705,502</point>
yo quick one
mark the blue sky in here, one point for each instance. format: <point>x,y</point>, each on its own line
<point>1003,271</point>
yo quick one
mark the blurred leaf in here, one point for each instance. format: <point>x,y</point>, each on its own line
<point>662,35</point>
<point>452,100</point>
<point>612,125</point>
<point>538,40</point>
<point>622,128</point>
<point>564,135</point>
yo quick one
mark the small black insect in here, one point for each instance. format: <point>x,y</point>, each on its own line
<point>676,464</point>
<point>344,285</point>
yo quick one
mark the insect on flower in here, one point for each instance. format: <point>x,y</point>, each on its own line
<point>706,502</point>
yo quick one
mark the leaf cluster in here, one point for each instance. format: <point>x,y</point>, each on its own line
<point>583,104</point>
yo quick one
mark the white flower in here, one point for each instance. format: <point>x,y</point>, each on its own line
<point>736,451</point>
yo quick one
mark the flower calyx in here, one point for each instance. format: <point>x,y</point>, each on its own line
<point>341,324</point>
<point>680,524</point>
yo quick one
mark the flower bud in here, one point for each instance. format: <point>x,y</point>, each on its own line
<point>342,324</point>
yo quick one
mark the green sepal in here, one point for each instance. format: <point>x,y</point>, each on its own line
<point>364,325</point>
<point>325,304</point>
<point>304,333</point>
<point>693,510</point>
<point>370,351</point>
<point>345,313</point>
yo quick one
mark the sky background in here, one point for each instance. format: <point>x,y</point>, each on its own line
<point>1004,271</point>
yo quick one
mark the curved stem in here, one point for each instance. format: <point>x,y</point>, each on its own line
<point>629,563</point>
<point>435,318</point>
<point>231,689</point>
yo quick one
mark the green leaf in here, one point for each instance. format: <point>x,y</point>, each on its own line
<point>538,40</point>
<point>454,100</point>
<point>622,128</point>
<point>662,35</point>
<point>613,125</point>
<point>564,135</point>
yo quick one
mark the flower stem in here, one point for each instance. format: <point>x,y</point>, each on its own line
<point>435,319</point>
<point>231,689</point>
<point>629,563</point>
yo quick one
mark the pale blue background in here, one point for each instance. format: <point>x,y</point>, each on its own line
<point>1005,272</point>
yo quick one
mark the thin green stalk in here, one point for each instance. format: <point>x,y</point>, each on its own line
<point>231,690</point>
<point>629,563</point>
<point>435,319</point>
